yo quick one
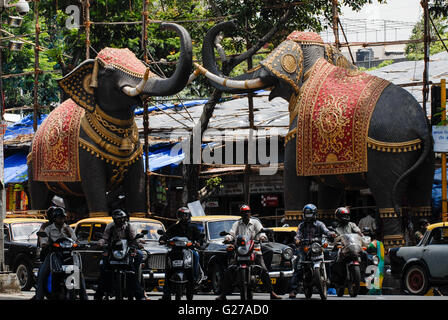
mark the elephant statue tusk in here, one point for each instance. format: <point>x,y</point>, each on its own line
<point>236,84</point>
<point>132,92</point>
<point>193,76</point>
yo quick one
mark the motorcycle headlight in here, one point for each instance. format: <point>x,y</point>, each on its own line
<point>287,254</point>
<point>242,251</point>
<point>315,247</point>
<point>118,254</point>
<point>375,260</point>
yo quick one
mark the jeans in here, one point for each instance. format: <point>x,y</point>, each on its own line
<point>297,276</point>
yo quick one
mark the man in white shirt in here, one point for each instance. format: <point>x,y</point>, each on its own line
<point>249,228</point>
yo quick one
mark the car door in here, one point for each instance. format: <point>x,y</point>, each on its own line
<point>7,244</point>
<point>83,232</point>
<point>435,253</point>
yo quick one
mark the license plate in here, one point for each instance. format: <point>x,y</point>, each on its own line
<point>178,263</point>
<point>273,281</point>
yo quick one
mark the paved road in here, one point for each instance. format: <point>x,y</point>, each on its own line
<point>258,296</point>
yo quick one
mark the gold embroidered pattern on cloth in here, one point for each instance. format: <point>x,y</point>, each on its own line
<point>55,145</point>
<point>333,116</point>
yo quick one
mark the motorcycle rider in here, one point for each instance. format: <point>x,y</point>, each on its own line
<point>119,229</point>
<point>184,228</point>
<point>345,226</point>
<point>307,230</point>
<point>249,227</point>
<point>57,229</point>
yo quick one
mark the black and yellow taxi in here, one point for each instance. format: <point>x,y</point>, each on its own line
<point>91,230</point>
<point>21,252</point>
<point>213,255</point>
<point>425,265</point>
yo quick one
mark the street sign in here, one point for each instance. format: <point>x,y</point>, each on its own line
<point>440,135</point>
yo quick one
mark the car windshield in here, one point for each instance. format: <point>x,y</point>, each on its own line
<point>151,227</point>
<point>25,231</point>
<point>215,228</point>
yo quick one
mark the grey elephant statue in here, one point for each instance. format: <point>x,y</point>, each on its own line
<point>348,129</point>
<point>89,146</point>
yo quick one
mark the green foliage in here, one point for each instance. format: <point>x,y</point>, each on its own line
<point>415,51</point>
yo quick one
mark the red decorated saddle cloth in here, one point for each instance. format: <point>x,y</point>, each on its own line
<point>55,146</point>
<point>333,115</point>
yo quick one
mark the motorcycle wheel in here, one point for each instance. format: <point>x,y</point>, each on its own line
<point>243,286</point>
<point>321,282</point>
<point>355,278</point>
<point>119,286</point>
<point>179,292</point>
<point>308,291</point>
<point>216,278</point>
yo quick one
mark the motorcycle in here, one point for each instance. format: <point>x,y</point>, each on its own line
<point>120,270</point>
<point>65,278</point>
<point>247,272</point>
<point>180,267</point>
<point>314,273</point>
<point>346,270</point>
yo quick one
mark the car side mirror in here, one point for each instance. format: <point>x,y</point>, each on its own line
<point>42,234</point>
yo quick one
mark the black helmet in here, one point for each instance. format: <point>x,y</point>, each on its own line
<point>423,221</point>
<point>342,215</point>
<point>50,213</point>
<point>58,212</point>
<point>119,217</point>
<point>183,214</point>
<point>310,212</point>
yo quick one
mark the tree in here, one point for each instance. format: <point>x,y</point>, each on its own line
<point>415,51</point>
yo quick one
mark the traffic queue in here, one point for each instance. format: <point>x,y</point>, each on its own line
<point>121,257</point>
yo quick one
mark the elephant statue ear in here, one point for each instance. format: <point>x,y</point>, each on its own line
<point>335,57</point>
<point>78,84</point>
<point>286,62</point>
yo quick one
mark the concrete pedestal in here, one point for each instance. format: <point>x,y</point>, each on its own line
<point>9,283</point>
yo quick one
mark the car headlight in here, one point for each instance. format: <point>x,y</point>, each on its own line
<point>144,255</point>
<point>375,260</point>
<point>315,247</point>
<point>287,254</point>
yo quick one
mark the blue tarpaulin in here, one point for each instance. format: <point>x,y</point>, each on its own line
<point>16,169</point>
<point>24,126</point>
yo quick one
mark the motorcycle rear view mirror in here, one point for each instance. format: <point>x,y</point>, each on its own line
<point>42,234</point>
<point>160,232</point>
<point>223,233</point>
<point>145,231</point>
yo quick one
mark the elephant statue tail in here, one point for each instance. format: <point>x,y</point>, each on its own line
<point>427,148</point>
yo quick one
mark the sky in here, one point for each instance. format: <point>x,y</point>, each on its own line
<point>407,11</point>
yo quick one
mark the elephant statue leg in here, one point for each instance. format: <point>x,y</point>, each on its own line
<point>419,190</point>
<point>328,200</point>
<point>381,180</point>
<point>93,183</point>
<point>40,195</point>
<point>134,186</point>
<point>297,193</point>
